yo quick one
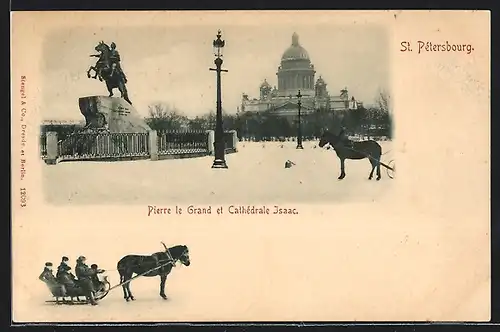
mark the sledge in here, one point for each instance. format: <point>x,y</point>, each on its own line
<point>75,296</point>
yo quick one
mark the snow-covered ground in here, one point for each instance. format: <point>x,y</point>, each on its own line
<point>373,257</point>
<point>375,266</point>
<point>256,174</point>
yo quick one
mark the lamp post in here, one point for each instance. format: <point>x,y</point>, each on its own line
<point>219,144</point>
<point>299,127</point>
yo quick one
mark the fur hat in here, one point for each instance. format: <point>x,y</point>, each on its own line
<point>48,264</point>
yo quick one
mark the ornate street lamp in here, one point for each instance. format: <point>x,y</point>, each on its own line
<point>219,144</point>
<point>299,128</point>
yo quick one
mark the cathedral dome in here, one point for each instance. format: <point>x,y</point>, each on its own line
<point>295,51</point>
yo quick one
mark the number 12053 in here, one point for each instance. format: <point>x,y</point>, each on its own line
<point>23,198</point>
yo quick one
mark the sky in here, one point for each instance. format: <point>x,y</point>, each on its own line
<point>171,64</point>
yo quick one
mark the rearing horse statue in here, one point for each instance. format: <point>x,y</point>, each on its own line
<point>107,71</point>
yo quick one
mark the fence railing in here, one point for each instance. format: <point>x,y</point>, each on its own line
<point>104,145</point>
<point>115,146</point>
<point>182,142</point>
<point>43,146</point>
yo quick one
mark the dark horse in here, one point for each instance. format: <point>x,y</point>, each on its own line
<point>158,264</point>
<point>105,70</point>
<point>357,150</point>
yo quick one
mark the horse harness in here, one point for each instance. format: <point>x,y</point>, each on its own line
<point>164,262</point>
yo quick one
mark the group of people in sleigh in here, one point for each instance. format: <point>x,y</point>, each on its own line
<point>64,283</point>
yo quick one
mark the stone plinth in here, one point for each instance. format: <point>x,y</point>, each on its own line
<point>112,112</point>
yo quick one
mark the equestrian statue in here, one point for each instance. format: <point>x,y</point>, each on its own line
<point>108,69</point>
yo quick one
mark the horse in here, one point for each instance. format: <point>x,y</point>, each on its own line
<point>358,150</point>
<point>158,264</point>
<point>108,72</point>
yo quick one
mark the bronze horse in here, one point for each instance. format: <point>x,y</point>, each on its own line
<point>357,150</point>
<point>105,70</point>
<point>158,264</point>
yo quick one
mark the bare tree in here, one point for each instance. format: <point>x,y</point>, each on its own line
<point>384,101</point>
<point>162,116</point>
<point>384,115</point>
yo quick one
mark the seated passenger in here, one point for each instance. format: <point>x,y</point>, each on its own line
<point>94,277</point>
<point>84,274</point>
<point>50,280</point>
<point>63,270</point>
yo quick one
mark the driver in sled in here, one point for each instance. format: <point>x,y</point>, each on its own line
<point>84,275</point>
<point>344,139</point>
<point>95,279</point>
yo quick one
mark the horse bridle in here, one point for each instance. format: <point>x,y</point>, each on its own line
<point>171,258</point>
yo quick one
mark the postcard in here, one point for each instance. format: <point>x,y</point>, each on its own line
<point>241,166</point>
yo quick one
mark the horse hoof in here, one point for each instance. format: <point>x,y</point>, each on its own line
<point>132,298</point>
<point>127,299</point>
<point>163,296</point>
<point>378,179</point>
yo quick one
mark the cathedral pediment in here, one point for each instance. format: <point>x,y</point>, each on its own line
<point>293,105</point>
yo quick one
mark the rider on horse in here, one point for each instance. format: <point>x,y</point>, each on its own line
<point>344,139</point>
<point>114,58</point>
<point>110,59</point>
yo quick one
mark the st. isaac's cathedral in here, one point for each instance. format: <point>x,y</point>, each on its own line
<point>295,73</point>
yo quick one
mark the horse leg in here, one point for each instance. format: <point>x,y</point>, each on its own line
<point>110,89</point>
<point>88,71</point>
<point>163,279</point>
<point>374,164</point>
<point>130,296</point>
<point>125,294</point>
<point>124,278</point>
<point>342,168</point>
<point>124,92</point>
<point>378,169</point>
